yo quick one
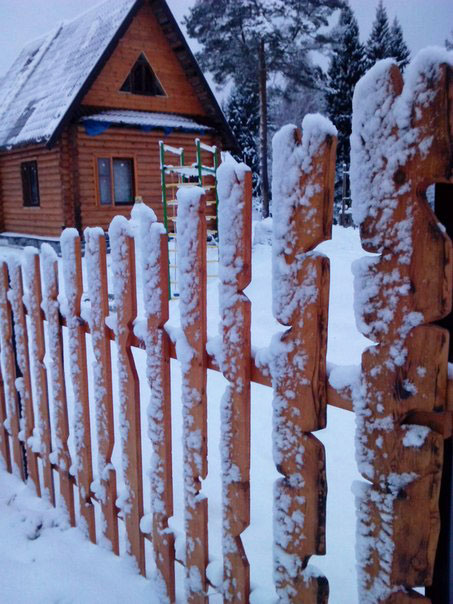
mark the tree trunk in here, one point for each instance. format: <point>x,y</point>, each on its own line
<point>263,129</point>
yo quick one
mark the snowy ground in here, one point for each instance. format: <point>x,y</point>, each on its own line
<point>41,560</point>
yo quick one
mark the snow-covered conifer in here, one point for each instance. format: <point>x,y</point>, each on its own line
<point>398,48</point>
<point>242,113</point>
<point>346,68</point>
<point>378,44</point>
<point>262,42</point>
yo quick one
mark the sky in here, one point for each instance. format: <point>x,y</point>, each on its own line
<point>424,22</point>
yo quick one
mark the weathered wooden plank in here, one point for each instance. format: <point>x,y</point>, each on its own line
<point>9,374</point>
<point>124,288</point>
<point>15,296</point>
<point>397,294</point>
<point>303,179</point>
<point>153,248</point>
<point>96,263</point>
<point>235,242</point>
<point>192,355</point>
<point>4,437</point>
<point>60,454</point>
<point>82,464</point>
<point>33,299</point>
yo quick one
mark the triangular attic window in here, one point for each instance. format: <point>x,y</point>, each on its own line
<point>142,80</point>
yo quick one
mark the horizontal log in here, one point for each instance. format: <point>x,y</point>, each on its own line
<point>335,398</point>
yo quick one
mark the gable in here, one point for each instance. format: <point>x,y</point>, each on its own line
<point>144,36</point>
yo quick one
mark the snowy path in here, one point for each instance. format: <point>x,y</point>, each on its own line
<point>58,566</point>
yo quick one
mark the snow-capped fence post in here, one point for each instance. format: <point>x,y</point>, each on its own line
<point>9,378</point>
<point>302,202</point>
<point>15,297</point>
<point>124,289</point>
<point>400,144</point>
<point>60,453</point>
<point>153,245</point>
<point>96,263</point>
<point>191,351</point>
<point>82,465</point>
<point>235,251</point>
<point>33,299</point>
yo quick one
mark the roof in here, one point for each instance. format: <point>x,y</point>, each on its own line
<point>146,120</point>
<point>47,82</point>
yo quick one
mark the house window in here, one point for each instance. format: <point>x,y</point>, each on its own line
<point>30,185</point>
<point>142,80</point>
<point>115,180</point>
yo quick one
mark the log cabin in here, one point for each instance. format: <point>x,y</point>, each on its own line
<point>82,111</point>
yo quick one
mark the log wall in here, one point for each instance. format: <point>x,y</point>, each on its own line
<point>143,147</point>
<point>47,219</point>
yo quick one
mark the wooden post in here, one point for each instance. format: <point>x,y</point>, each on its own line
<point>303,205</point>
<point>124,288</point>
<point>11,396</point>
<point>61,456</point>
<point>32,282</point>
<point>191,351</point>
<point>235,271</point>
<point>72,272</point>
<point>15,295</point>
<point>398,294</point>
<point>153,244</point>
<point>95,257</point>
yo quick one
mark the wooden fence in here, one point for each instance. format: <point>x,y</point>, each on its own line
<point>402,404</point>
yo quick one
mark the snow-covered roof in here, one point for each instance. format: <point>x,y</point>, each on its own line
<point>147,119</point>
<point>49,73</point>
<point>49,79</point>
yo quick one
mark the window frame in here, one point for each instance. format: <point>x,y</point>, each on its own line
<point>28,202</point>
<point>141,94</point>
<point>112,157</point>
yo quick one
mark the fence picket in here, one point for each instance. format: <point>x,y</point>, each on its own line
<point>4,436</point>
<point>398,293</point>
<point>191,351</point>
<point>235,242</point>
<point>72,272</point>
<point>9,368</point>
<point>15,296</point>
<point>124,288</point>
<point>95,256</point>
<point>60,453</point>
<point>303,206</point>
<point>33,298</point>
<point>154,267</point>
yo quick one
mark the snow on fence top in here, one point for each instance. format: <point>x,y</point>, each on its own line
<point>296,185</point>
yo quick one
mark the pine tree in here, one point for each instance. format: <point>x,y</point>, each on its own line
<point>449,42</point>
<point>397,47</point>
<point>346,68</point>
<point>242,114</point>
<point>261,41</point>
<point>378,44</point>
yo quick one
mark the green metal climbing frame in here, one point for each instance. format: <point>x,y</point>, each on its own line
<point>176,175</point>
